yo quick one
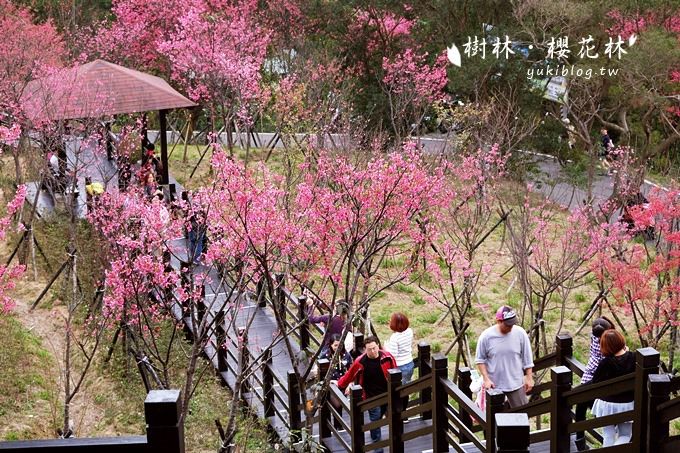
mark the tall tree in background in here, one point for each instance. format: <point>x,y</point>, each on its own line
<point>27,51</point>
<point>217,51</point>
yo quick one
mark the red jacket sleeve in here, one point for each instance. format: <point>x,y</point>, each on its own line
<point>348,377</point>
<point>392,364</point>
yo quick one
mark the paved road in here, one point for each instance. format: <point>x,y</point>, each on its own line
<point>549,180</point>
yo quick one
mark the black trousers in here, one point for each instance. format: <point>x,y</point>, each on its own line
<point>580,415</point>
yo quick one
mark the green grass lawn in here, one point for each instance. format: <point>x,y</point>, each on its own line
<point>27,383</point>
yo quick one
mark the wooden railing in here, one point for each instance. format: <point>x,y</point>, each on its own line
<point>457,420</point>
<point>294,314</point>
<point>163,433</point>
<point>661,410</point>
<point>449,416</point>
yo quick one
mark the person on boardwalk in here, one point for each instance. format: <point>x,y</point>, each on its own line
<point>607,146</point>
<point>598,328</point>
<point>400,345</point>
<point>607,143</point>
<point>335,325</point>
<point>617,361</point>
<point>338,368</point>
<point>196,236</point>
<point>504,358</point>
<point>149,185</point>
<point>343,363</point>
<point>92,192</point>
<point>370,370</point>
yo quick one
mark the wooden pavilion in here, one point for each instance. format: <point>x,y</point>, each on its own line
<point>100,89</point>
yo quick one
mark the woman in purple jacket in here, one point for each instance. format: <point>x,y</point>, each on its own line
<point>335,324</point>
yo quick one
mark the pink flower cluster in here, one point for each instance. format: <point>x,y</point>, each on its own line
<point>643,280</point>
<point>10,275</point>
<point>410,73</point>
<point>10,134</point>
<point>137,232</point>
<point>384,28</point>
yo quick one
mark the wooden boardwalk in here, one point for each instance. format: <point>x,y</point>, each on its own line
<point>263,332</point>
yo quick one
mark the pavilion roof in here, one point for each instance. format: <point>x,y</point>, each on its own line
<point>98,89</point>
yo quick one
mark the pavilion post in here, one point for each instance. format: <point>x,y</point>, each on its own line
<point>164,145</point>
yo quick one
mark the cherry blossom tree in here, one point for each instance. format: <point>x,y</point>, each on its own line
<point>453,258</point>
<point>133,36</point>
<point>642,276</point>
<point>217,51</point>
<point>551,255</point>
<point>412,85</point>
<point>642,105</point>
<point>363,214</point>
<point>27,50</point>
<point>154,289</point>
<point>374,31</point>
<point>9,275</point>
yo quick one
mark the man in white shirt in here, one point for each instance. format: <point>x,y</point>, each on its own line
<point>504,358</point>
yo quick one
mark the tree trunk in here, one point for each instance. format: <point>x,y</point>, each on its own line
<point>17,165</point>
<point>591,173</point>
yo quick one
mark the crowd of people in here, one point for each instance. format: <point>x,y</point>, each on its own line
<point>503,357</point>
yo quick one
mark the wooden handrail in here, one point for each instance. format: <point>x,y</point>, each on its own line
<point>461,398</point>
<point>376,424</point>
<point>540,388</point>
<point>610,387</point>
<point>464,430</point>
<point>599,422</point>
<point>335,414</point>
<point>544,362</point>
<point>344,401</point>
<point>417,433</point>
<point>374,401</point>
<point>417,409</point>
<point>538,407</point>
<point>539,436</point>
<point>282,399</point>
<point>414,386</point>
<point>576,366</point>
<point>276,378</point>
<point>669,410</point>
<point>340,438</point>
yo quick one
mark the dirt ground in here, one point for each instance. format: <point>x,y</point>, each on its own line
<point>47,323</point>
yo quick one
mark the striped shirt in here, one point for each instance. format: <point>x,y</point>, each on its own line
<point>400,345</point>
<point>593,361</point>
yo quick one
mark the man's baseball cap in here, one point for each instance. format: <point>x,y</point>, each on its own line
<point>507,315</point>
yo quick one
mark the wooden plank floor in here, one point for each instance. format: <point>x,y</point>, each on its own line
<point>539,447</point>
<point>263,330</point>
<point>416,445</point>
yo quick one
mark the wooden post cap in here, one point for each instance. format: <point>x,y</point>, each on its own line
<point>512,431</point>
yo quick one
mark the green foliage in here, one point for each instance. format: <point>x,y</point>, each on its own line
<point>402,288</point>
<point>382,318</point>
<point>418,300</point>
<point>424,331</point>
<point>52,235</point>
<point>429,317</point>
<point>393,263</point>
